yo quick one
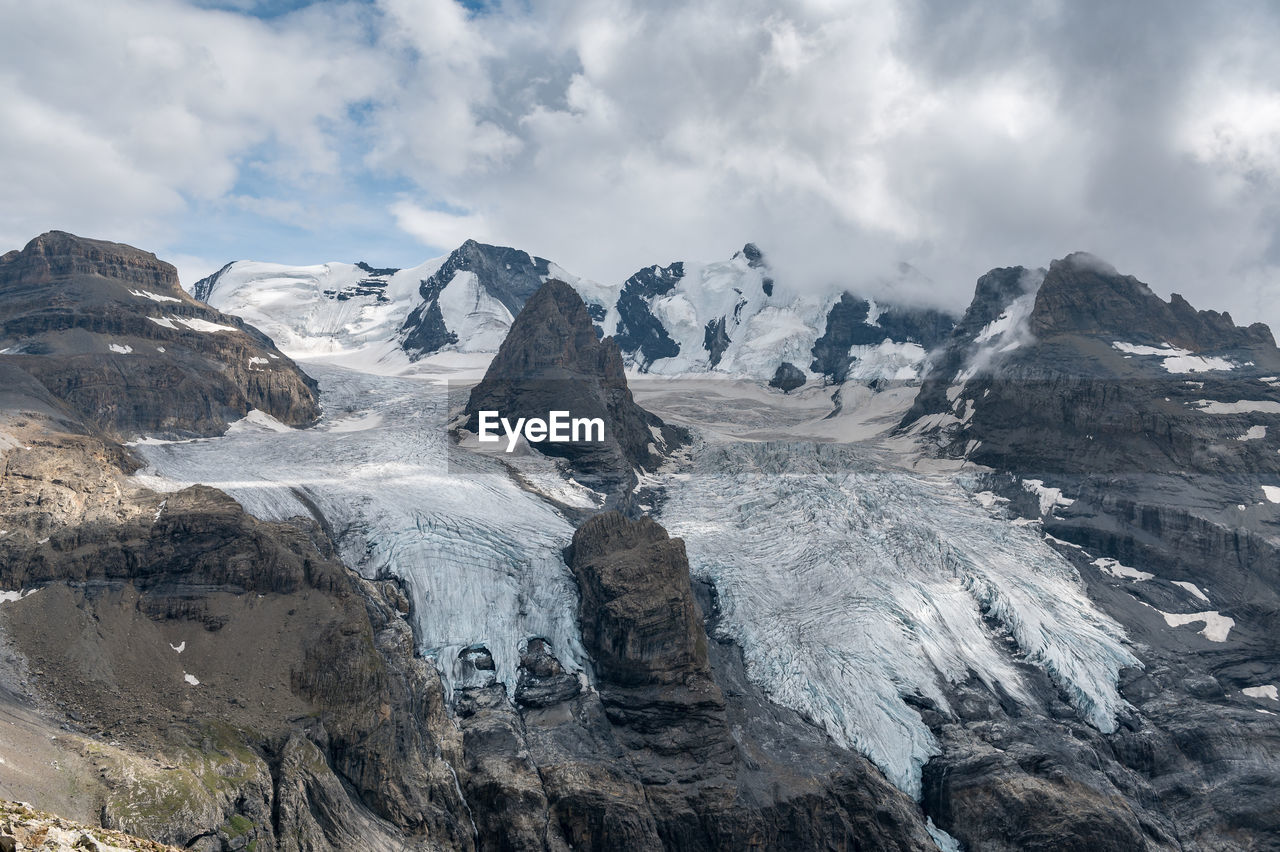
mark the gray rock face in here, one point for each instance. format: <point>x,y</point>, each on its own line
<point>509,275</point>
<point>552,360</point>
<point>108,331</point>
<point>1164,463</point>
<point>848,325</point>
<point>639,331</point>
<point>787,377</point>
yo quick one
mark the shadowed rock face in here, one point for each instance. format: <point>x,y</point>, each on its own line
<point>551,360</point>
<point>107,329</point>
<point>308,723</point>
<point>674,749</point>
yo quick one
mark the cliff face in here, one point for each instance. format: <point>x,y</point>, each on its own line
<point>214,680</point>
<point>552,360</point>
<point>1158,423</point>
<point>107,330</point>
<point>674,748</point>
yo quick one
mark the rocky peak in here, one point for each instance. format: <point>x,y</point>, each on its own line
<point>108,331</point>
<point>510,275</point>
<point>1082,294</point>
<point>755,257</point>
<point>203,288</point>
<point>58,253</point>
<point>552,360</point>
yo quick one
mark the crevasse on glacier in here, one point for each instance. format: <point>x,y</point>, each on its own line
<point>849,585</point>
<point>847,582</point>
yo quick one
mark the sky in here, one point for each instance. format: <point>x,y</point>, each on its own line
<point>843,138</point>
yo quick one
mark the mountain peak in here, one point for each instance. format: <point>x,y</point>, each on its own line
<point>58,253</point>
<point>1083,294</point>
<point>552,360</point>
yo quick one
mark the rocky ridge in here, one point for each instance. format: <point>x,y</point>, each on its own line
<point>107,330</point>
<point>1138,433</point>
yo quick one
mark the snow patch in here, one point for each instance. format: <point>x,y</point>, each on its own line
<point>190,679</point>
<point>1193,589</point>
<point>1216,626</point>
<point>180,647</point>
<point>886,361</point>
<point>1271,492</point>
<point>1253,433</point>
<point>259,421</point>
<point>1115,569</point>
<point>1050,498</point>
<point>155,297</point>
<point>1262,692</point>
<point>1243,406</point>
<point>1177,360</point>
<point>9,597</point>
<point>193,323</point>
<point>123,350</point>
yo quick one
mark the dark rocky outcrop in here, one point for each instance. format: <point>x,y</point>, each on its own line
<point>1160,485</point>
<point>639,331</point>
<point>848,325</point>
<point>787,377</point>
<point>715,340</point>
<point>551,360</point>
<point>1067,401</point>
<point>109,332</point>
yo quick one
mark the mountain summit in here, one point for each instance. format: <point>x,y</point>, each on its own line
<point>109,331</point>
<point>552,360</point>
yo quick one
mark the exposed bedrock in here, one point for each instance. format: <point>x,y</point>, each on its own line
<point>107,329</point>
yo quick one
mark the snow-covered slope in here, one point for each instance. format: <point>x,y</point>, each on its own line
<point>348,312</point>
<point>734,317</point>
<point>380,319</point>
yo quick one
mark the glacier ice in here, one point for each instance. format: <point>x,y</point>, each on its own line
<point>480,557</point>
<point>850,585</point>
<point>848,582</point>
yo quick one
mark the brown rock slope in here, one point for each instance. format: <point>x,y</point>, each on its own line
<point>107,329</point>
<point>180,670</point>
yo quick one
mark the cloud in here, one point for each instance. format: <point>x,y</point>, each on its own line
<point>844,138</point>
<point>437,228</point>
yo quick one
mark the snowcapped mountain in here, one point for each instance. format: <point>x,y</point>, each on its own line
<point>358,315</point>
<point>331,309</point>
<point>1028,601</point>
<point>735,318</point>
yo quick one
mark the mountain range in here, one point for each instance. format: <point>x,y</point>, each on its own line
<point>843,574</point>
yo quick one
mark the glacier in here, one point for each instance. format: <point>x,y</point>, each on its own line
<point>479,556</point>
<point>850,581</point>
<point>850,585</point>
